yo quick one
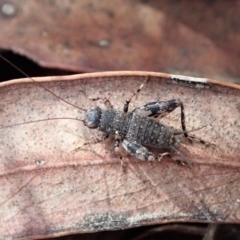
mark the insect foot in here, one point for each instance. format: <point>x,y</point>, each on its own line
<point>161,155</point>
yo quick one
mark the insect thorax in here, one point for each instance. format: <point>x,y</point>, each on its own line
<point>114,122</point>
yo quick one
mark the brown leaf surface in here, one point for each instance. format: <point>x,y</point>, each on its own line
<point>196,38</point>
<point>47,189</point>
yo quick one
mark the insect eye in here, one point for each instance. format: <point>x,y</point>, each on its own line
<point>93,117</point>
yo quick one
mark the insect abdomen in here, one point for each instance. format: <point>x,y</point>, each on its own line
<point>135,127</point>
<point>148,132</point>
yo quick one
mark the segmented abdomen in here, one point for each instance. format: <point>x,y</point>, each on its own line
<point>148,132</point>
<point>135,127</point>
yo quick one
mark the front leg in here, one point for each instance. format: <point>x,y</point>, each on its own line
<point>95,141</point>
<point>106,101</point>
<point>161,109</point>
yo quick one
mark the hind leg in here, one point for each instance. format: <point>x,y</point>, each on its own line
<point>196,139</point>
<point>162,108</point>
<point>142,153</point>
<point>138,151</point>
<point>106,101</point>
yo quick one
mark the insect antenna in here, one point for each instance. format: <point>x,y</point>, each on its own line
<point>41,85</point>
<point>41,120</point>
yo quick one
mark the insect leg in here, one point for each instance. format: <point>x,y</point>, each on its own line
<point>127,102</point>
<point>137,150</point>
<point>193,138</point>
<point>183,161</point>
<point>95,141</point>
<point>161,155</point>
<point>161,109</point>
<point>117,142</point>
<point>118,139</point>
<point>106,101</point>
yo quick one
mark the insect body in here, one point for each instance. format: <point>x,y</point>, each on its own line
<point>137,129</point>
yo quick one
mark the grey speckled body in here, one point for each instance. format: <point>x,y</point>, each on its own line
<point>136,128</point>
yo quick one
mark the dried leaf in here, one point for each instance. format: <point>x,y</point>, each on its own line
<point>48,189</point>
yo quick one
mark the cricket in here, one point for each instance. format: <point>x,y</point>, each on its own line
<point>136,130</point>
